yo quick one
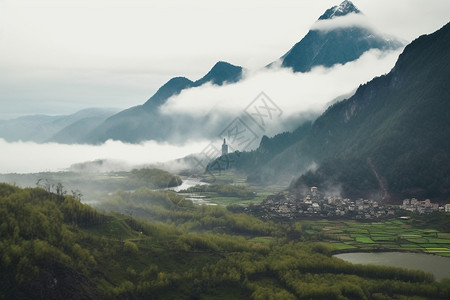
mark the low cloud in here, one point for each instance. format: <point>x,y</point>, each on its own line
<point>205,112</point>
<point>29,157</point>
<point>60,69</point>
<point>350,20</point>
<point>210,108</point>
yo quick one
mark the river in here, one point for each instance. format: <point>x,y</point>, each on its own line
<point>196,198</point>
<point>187,183</point>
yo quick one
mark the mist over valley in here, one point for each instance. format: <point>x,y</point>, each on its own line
<point>257,150</point>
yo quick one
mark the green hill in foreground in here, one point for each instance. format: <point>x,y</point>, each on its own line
<point>54,247</point>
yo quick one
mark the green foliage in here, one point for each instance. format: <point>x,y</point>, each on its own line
<point>152,178</point>
<point>206,252</point>
<point>167,206</point>
<point>130,248</point>
<point>38,235</point>
<point>92,184</point>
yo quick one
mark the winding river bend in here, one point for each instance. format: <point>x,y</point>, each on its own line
<point>437,265</point>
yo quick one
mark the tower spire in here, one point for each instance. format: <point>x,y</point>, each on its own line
<point>224,147</point>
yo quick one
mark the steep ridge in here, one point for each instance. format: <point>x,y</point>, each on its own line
<point>338,45</point>
<point>390,140</point>
<point>220,73</point>
<point>172,87</point>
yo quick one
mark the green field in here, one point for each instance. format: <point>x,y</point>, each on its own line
<point>388,235</point>
<point>232,181</point>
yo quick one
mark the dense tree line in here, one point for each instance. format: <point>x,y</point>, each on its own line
<point>152,178</point>
<point>38,234</point>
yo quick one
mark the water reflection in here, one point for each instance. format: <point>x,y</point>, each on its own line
<point>437,265</point>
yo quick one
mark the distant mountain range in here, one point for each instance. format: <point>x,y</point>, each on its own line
<point>62,129</point>
<point>145,122</point>
<point>390,140</point>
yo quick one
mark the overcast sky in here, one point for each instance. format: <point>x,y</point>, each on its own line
<point>59,56</point>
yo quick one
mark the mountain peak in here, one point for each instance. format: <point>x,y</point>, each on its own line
<point>221,64</point>
<point>334,44</point>
<point>172,87</point>
<point>346,7</point>
<point>220,73</point>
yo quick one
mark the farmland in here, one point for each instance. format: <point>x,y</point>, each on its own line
<point>398,235</point>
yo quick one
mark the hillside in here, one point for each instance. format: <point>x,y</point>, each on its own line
<point>390,140</point>
<point>393,135</point>
<point>54,247</point>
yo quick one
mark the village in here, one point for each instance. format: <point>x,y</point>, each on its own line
<point>316,204</point>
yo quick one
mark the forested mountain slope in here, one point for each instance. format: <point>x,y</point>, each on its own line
<point>390,140</point>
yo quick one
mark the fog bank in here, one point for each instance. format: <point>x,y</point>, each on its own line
<point>29,157</point>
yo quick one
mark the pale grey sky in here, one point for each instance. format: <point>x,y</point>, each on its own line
<point>59,56</point>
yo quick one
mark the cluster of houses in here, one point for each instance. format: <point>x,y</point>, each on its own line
<point>421,207</point>
<point>315,204</point>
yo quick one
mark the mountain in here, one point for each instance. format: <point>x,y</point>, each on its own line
<point>144,122</point>
<point>43,128</point>
<point>77,129</point>
<point>318,47</point>
<point>173,87</point>
<point>345,8</point>
<point>34,128</point>
<point>221,73</point>
<point>335,45</point>
<point>390,140</point>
